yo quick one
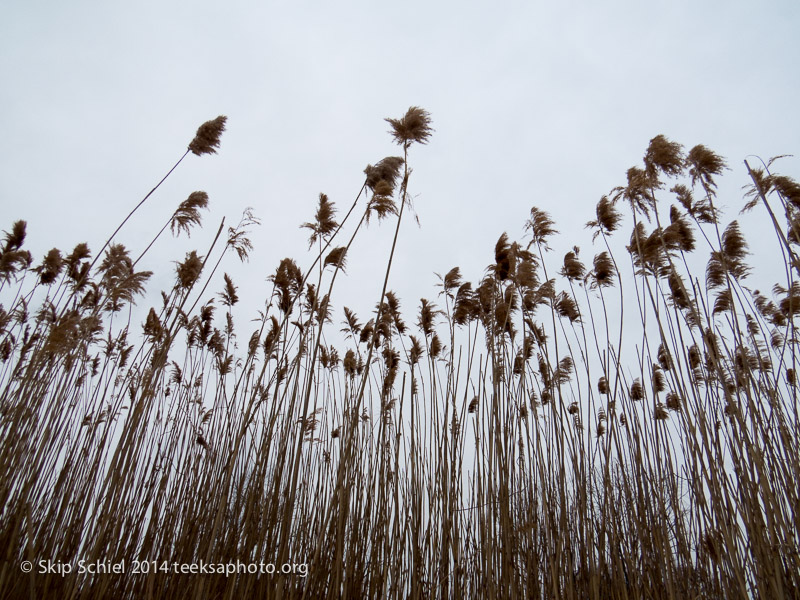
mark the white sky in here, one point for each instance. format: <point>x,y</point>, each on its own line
<point>533,103</point>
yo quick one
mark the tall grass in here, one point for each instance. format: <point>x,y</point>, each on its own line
<point>537,433</point>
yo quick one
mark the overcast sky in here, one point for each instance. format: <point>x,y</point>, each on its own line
<point>533,103</point>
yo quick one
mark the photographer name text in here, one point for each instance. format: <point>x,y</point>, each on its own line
<point>146,567</point>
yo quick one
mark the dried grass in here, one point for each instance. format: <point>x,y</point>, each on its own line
<point>515,440</point>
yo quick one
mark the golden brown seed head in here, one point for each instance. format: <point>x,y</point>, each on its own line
<point>414,126</point>
<point>206,140</point>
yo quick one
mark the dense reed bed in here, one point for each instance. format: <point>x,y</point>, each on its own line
<point>620,425</point>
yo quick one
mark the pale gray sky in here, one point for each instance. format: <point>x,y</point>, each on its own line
<point>533,103</point>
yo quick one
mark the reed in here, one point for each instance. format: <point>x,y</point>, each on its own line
<point>532,434</point>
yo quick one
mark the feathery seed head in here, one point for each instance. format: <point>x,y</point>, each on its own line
<point>573,268</point>
<point>189,270</point>
<point>188,213</point>
<point>386,170</point>
<point>206,140</point>
<point>414,126</point>
<point>608,217</point>
<point>13,240</point>
<point>664,156</point>
<point>541,227</point>
<point>637,391</point>
<point>51,267</point>
<point>703,166</point>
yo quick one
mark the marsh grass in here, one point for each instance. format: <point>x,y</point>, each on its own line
<point>622,425</point>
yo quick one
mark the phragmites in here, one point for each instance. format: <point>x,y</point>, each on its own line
<point>702,210</point>
<point>769,310</point>
<point>435,347</point>
<point>426,315</point>
<point>228,294</point>
<point>13,240</point>
<point>678,234</point>
<point>366,331</point>
<point>790,303</point>
<point>723,302</point>
<point>673,401</point>
<point>734,246</point>
<point>6,348</point>
<point>77,267</point>
<point>324,224</point>
<point>608,218</point>
<point>393,311</point>
<point>153,329</point>
<point>505,307</point>
<point>637,391</point>
<point>730,260</point>
<point>381,204</point>
<point>660,413</point>
<point>659,382</point>
<point>188,213</point>
<point>664,357</point>
<point>694,356</point>
<point>189,270</point>
<point>715,271</point>
<point>206,140</point>
<point>541,227</point>
<point>383,326</point>
<point>647,250</point>
<point>119,280</point>
<point>566,306</point>
<point>237,236</point>
<point>573,268</point>
<point>703,166</point>
<point>414,126</point>
<point>466,307</point>
<point>51,267</point>
<point>677,288</point>
<point>288,281</point>
<point>563,373</point>
<point>416,351</point>
<point>382,180</point>
<point>505,258</point>
<point>638,192</point>
<point>788,191</point>
<point>353,327</point>
<point>762,186</point>
<point>451,281</point>
<point>336,257</point>
<point>350,364</point>
<point>12,258</point>
<point>526,277</point>
<point>484,297</point>
<point>519,363</point>
<point>546,396</point>
<point>786,187</point>
<point>391,359</point>
<point>532,356</point>
<point>386,170</point>
<point>604,270</point>
<point>664,156</point>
